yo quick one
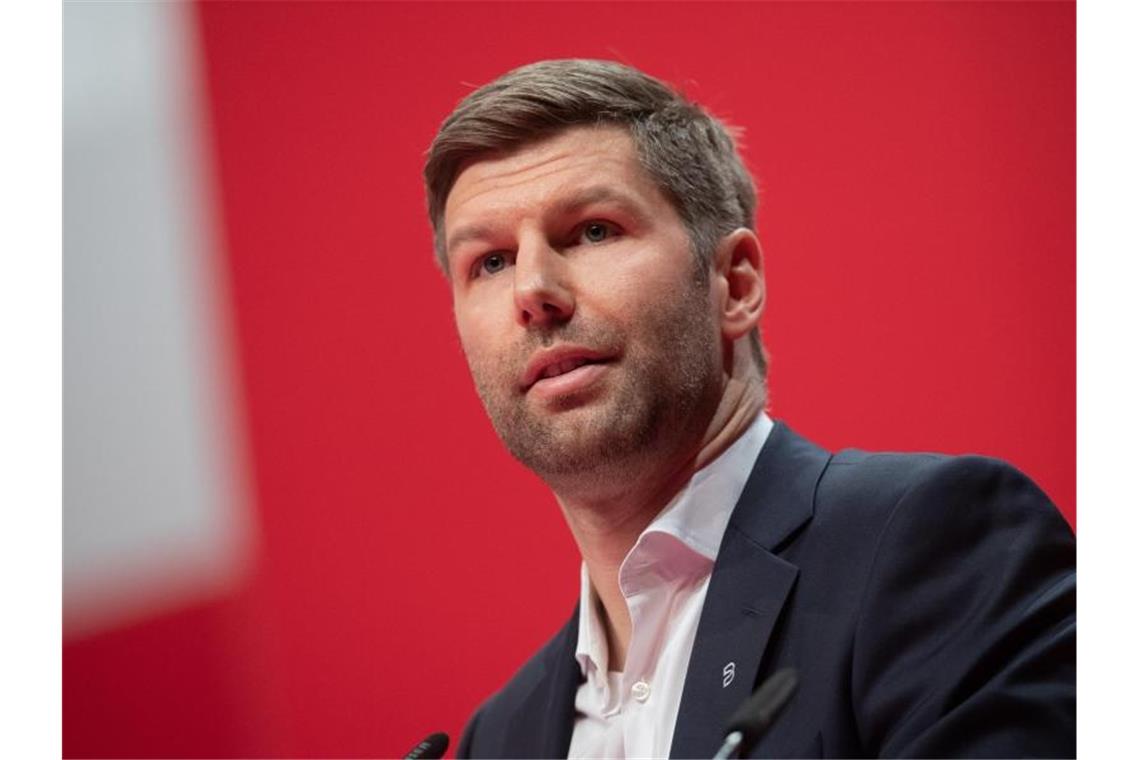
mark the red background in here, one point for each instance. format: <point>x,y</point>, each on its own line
<point>916,164</point>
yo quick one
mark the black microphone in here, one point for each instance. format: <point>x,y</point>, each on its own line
<point>753,718</point>
<point>432,747</point>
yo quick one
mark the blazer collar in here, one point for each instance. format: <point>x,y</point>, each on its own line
<point>749,586</point>
<point>779,496</point>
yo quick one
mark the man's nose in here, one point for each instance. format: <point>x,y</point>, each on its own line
<point>543,296</point>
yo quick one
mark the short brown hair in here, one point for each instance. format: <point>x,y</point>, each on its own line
<point>688,153</point>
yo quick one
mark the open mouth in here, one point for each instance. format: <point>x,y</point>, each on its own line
<point>566,374</point>
<point>563,367</point>
<point>568,377</point>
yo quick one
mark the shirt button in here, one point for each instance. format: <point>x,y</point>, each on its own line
<point>641,691</point>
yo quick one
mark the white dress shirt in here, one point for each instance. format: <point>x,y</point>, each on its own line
<point>664,578</point>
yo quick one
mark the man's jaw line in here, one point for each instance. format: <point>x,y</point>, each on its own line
<point>594,503</point>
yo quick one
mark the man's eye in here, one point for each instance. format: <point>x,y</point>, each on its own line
<point>493,263</point>
<point>596,232</point>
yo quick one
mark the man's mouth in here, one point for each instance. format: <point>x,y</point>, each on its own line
<point>561,368</point>
<point>558,362</point>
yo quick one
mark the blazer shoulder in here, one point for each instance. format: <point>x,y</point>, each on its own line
<point>966,608</point>
<point>871,485</point>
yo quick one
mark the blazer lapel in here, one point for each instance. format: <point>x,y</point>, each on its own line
<point>748,589</point>
<point>544,722</point>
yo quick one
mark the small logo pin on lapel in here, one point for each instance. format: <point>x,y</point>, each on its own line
<point>729,674</point>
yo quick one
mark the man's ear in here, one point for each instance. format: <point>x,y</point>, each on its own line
<point>739,268</point>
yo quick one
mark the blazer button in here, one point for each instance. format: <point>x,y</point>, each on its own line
<point>640,691</point>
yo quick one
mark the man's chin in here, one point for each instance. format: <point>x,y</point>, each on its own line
<point>571,460</point>
<point>586,436</point>
<point>568,405</point>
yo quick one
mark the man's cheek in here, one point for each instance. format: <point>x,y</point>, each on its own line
<point>487,369</point>
<point>469,343</point>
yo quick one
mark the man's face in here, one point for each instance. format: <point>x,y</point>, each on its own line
<point>587,324</point>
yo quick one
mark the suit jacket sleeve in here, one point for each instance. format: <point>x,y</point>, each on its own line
<point>965,640</point>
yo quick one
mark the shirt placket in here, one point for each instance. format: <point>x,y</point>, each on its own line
<point>641,592</point>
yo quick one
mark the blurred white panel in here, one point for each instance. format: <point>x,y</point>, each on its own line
<point>154,507</point>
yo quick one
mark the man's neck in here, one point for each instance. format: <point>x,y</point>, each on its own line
<point>607,518</point>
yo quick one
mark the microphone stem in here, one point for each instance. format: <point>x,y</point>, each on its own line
<point>731,744</point>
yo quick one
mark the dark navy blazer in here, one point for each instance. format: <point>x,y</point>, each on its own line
<point>928,604</point>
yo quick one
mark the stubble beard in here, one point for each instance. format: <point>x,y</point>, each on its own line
<point>664,394</point>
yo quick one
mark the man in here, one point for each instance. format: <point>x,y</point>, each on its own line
<point>597,230</point>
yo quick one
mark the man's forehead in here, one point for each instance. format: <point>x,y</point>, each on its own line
<point>552,165</point>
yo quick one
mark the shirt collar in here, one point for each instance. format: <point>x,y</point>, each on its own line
<point>683,540</point>
<point>698,515</point>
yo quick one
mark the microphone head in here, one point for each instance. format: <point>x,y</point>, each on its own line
<point>432,747</point>
<point>760,710</point>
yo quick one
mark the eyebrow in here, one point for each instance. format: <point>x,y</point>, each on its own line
<point>470,232</point>
<point>599,194</point>
<point>574,202</point>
